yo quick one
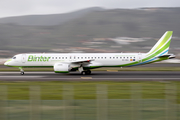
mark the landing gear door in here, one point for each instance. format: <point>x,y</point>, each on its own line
<point>23,58</point>
<point>139,57</point>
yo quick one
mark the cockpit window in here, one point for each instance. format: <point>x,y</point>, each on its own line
<point>14,58</point>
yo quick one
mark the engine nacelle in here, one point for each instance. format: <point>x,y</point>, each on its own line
<point>61,68</point>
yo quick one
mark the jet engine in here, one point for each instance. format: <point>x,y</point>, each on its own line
<point>61,68</point>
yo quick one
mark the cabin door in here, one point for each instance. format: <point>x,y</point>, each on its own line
<point>23,58</point>
<point>139,57</point>
<point>72,58</point>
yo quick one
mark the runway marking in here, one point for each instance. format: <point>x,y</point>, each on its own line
<point>86,78</point>
<point>112,70</point>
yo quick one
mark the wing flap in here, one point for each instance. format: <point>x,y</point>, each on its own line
<point>81,61</point>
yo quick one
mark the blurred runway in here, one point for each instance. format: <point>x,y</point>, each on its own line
<point>95,76</point>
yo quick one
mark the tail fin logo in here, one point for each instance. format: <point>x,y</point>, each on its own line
<point>162,46</point>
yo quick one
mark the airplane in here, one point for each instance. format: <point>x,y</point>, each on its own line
<point>84,62</point>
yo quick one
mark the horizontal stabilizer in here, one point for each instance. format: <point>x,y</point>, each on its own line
<point>170,56</point>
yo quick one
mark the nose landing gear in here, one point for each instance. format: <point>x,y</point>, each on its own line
<point>22,71</point>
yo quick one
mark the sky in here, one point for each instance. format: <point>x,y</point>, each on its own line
<point>34,7</point>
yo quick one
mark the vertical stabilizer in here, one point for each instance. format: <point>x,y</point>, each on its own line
<point>162,46</point>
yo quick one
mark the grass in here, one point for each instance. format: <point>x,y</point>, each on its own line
<point>152,103</point>
<point>87,90</point>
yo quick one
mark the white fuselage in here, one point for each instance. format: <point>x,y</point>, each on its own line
<point>97,59</point>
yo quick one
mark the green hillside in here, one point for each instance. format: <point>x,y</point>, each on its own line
<point>145,22</point>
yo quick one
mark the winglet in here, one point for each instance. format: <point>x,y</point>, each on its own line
<point>162,46</point>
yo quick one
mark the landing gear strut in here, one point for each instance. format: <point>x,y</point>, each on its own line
<point>84,72</point>
<point>22,71</point>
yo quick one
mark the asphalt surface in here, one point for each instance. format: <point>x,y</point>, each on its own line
<point>95,76</point>
<point>148,65</point>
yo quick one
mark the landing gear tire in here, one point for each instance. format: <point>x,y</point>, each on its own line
<point>83,73</point>
<point>22,73</point>
<point>88,72</point>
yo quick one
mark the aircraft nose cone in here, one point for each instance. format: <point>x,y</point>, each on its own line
<point>5,63</point>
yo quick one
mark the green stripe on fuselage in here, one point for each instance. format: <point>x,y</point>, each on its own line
<point>9,60</point>
<point>158,52</point>
<point>150,57</point>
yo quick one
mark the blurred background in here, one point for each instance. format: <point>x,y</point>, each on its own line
<point>78,26</point>
<point>88,26</point>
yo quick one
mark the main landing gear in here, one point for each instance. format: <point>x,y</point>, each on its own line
<point>84,72</point>
<point>22,71</point>
<point>88,72</point>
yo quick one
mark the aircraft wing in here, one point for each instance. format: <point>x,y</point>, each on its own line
<point>81,61</point>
